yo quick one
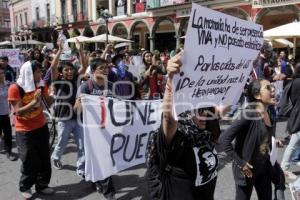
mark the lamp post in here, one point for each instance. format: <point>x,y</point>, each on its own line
<point>104,14</point>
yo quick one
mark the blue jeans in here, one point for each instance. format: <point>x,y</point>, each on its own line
<point>293,145</point>
<point>64,129</point>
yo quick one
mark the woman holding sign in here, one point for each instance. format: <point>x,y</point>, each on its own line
<point>182,162</point>
<point>253,165</point>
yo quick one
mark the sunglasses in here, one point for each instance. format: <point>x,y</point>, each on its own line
<point>270,87</point>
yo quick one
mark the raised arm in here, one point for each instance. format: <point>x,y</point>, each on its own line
<point>108,47</point>
<point>169,124</point>
<point>54,64</point>
<point>82,59</point>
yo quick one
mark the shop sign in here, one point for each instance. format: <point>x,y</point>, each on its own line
<point>179,1</point>
<point>183,13</point>
<point>166,2</point>
<point>153,3</point>
<point>272,3</point>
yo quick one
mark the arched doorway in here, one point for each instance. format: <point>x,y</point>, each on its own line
<point>120,30</point>
<point>163,33</point>
<point>75,33</point>
<point>236,12</point>
<point>273,17</point>
<point>88,32</point>
<point>139,33</point>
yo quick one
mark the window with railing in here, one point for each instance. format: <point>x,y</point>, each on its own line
<point>37,13</point>
<point>4,4</point>
<point>21,19</point>
<point>16,21</point>
<point>48,13</point>
<point>74,9</point>
<point>121,7</point>
<point>63,11</point>
<point>26,19</point>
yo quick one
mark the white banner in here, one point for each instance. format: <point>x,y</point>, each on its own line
<point>272,3</point>
<point>13,57</point>
<point>116,134</point>
<point>218,54</point>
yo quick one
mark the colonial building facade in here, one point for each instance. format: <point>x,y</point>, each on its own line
<point>32,19</point>
<point>151,24</point>
<point>4,20</point>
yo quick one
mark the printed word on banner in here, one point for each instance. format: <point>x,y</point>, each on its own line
<point>13,57</point>
<point>218,57</point>
<point>116,133</point>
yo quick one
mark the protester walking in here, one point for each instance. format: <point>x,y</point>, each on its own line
<point>65,89</point>
<point>98,85</point>
<point>32,134</point>
<point>5,125</point>
<point>252,133</point>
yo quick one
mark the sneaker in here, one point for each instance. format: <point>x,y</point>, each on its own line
<point>27,194</point>
<point>81,175</point>
<point>46,191</point>
<point>290,175</point>
<point>98,186</point>
<point>57,164</point>
<point>10,156</point>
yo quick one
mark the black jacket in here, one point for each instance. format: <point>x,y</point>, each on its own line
<point>293,125</point>
<point>247,135</point>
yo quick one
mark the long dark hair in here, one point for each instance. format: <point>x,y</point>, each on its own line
<point>253,90</point>
<point>35,65</point>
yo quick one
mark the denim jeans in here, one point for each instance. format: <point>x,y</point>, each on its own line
<point>293,145</point>
<point>64,129</point>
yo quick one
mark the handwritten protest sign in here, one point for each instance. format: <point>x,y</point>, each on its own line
<point>121,142</point>
<point>13,57</point>
<point>217,60</point>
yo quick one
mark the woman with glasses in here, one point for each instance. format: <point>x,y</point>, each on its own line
<point>252,133</point>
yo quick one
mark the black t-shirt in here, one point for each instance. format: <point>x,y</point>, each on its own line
<point>91,87</point>
<point>192,152</point>
<point>10,74</point>
<point>65,97</point>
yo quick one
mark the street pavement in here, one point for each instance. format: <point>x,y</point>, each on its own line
<point>129,184</point>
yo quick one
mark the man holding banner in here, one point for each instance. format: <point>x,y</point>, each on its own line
<point>98,85</point>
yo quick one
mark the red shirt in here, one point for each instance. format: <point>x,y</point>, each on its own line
<point>32,120</point>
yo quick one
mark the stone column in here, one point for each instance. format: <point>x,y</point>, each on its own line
<point>112,7</point>
<point>94,10</point>
<point>129,7</point>
<point>152,45</point>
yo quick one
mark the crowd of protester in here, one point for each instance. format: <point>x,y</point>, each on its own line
<point>182,161</point>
